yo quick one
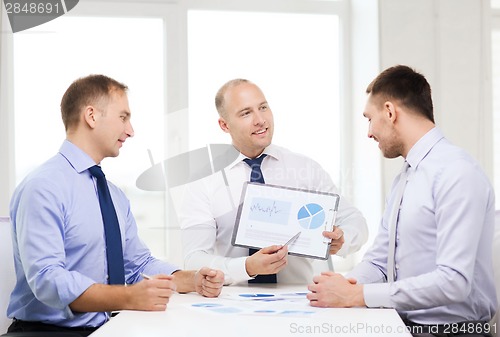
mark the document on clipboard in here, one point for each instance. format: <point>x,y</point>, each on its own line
<point>271,215</point>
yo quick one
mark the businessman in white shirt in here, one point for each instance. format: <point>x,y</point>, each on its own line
<point>208,214</point>
<point>442,276</point>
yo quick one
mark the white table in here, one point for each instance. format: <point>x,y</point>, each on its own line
<point>183,319</point>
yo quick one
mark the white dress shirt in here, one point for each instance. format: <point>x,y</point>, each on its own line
<point>208,215</point>
<point>444,270</point>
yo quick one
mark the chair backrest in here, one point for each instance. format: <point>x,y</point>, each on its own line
<point>7,271</point>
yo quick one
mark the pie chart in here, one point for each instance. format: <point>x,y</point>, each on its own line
<point>311,216</point>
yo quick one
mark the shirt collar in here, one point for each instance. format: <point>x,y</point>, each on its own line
<point>423,146</point>
<point>76,156</point>
<point>271,151</point>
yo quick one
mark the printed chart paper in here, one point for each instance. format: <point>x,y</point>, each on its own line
<point>290,304</point>
<point>271,215</point>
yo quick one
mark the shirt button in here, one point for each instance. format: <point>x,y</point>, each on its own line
<point>397,266</point>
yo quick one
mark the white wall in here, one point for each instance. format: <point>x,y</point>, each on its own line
<point>448,41</point>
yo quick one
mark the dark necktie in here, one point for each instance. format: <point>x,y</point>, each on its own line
<point>114,252</point>
<point>256,176</point>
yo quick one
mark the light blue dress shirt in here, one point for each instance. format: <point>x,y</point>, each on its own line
<point>444,270</point>
<point>59,245</point>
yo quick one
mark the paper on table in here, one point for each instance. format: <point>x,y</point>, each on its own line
<point>291,303</point>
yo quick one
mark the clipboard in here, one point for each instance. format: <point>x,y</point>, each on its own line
<point>270,215</point>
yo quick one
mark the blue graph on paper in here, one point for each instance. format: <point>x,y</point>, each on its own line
<point>269,210</point>
<point>311,216</point>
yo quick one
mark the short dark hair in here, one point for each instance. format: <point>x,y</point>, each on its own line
<point>89,90</point>
<point>406,85</point>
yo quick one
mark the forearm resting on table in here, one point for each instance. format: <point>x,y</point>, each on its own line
<point>149,295</point>
<point>103,297</point>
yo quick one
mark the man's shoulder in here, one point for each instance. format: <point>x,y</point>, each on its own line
<point>53,172</point>
<point>449,160</point>
<point>447,154</point>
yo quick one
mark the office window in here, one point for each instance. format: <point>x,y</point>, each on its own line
<point>49,57</point>
<point>173,75</point>
<point>293,58</point>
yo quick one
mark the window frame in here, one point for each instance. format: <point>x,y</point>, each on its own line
<point>174,15</point>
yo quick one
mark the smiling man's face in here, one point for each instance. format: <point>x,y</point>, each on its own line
<point>248,119</point>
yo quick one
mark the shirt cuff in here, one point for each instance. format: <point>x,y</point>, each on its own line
<point>237,270</point>
<point>377,295</point>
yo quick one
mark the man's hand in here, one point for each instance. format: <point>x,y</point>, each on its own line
<point>153,294</point>
<point>208,282</point>
<point>334,290</point>
<point>268,260</point>
<point>337,239</point>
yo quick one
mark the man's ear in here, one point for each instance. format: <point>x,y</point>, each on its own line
<point>390,111</point>
<point>223,125</point>
<point>89,116</point>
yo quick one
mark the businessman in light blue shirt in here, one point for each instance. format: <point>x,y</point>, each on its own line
<point>443,257</point>
<point>58,234</point>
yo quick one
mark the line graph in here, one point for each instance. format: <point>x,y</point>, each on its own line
<point>269,210</point>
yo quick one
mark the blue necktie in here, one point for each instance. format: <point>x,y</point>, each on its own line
<point>114,252</point>
<point>258,177</point>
